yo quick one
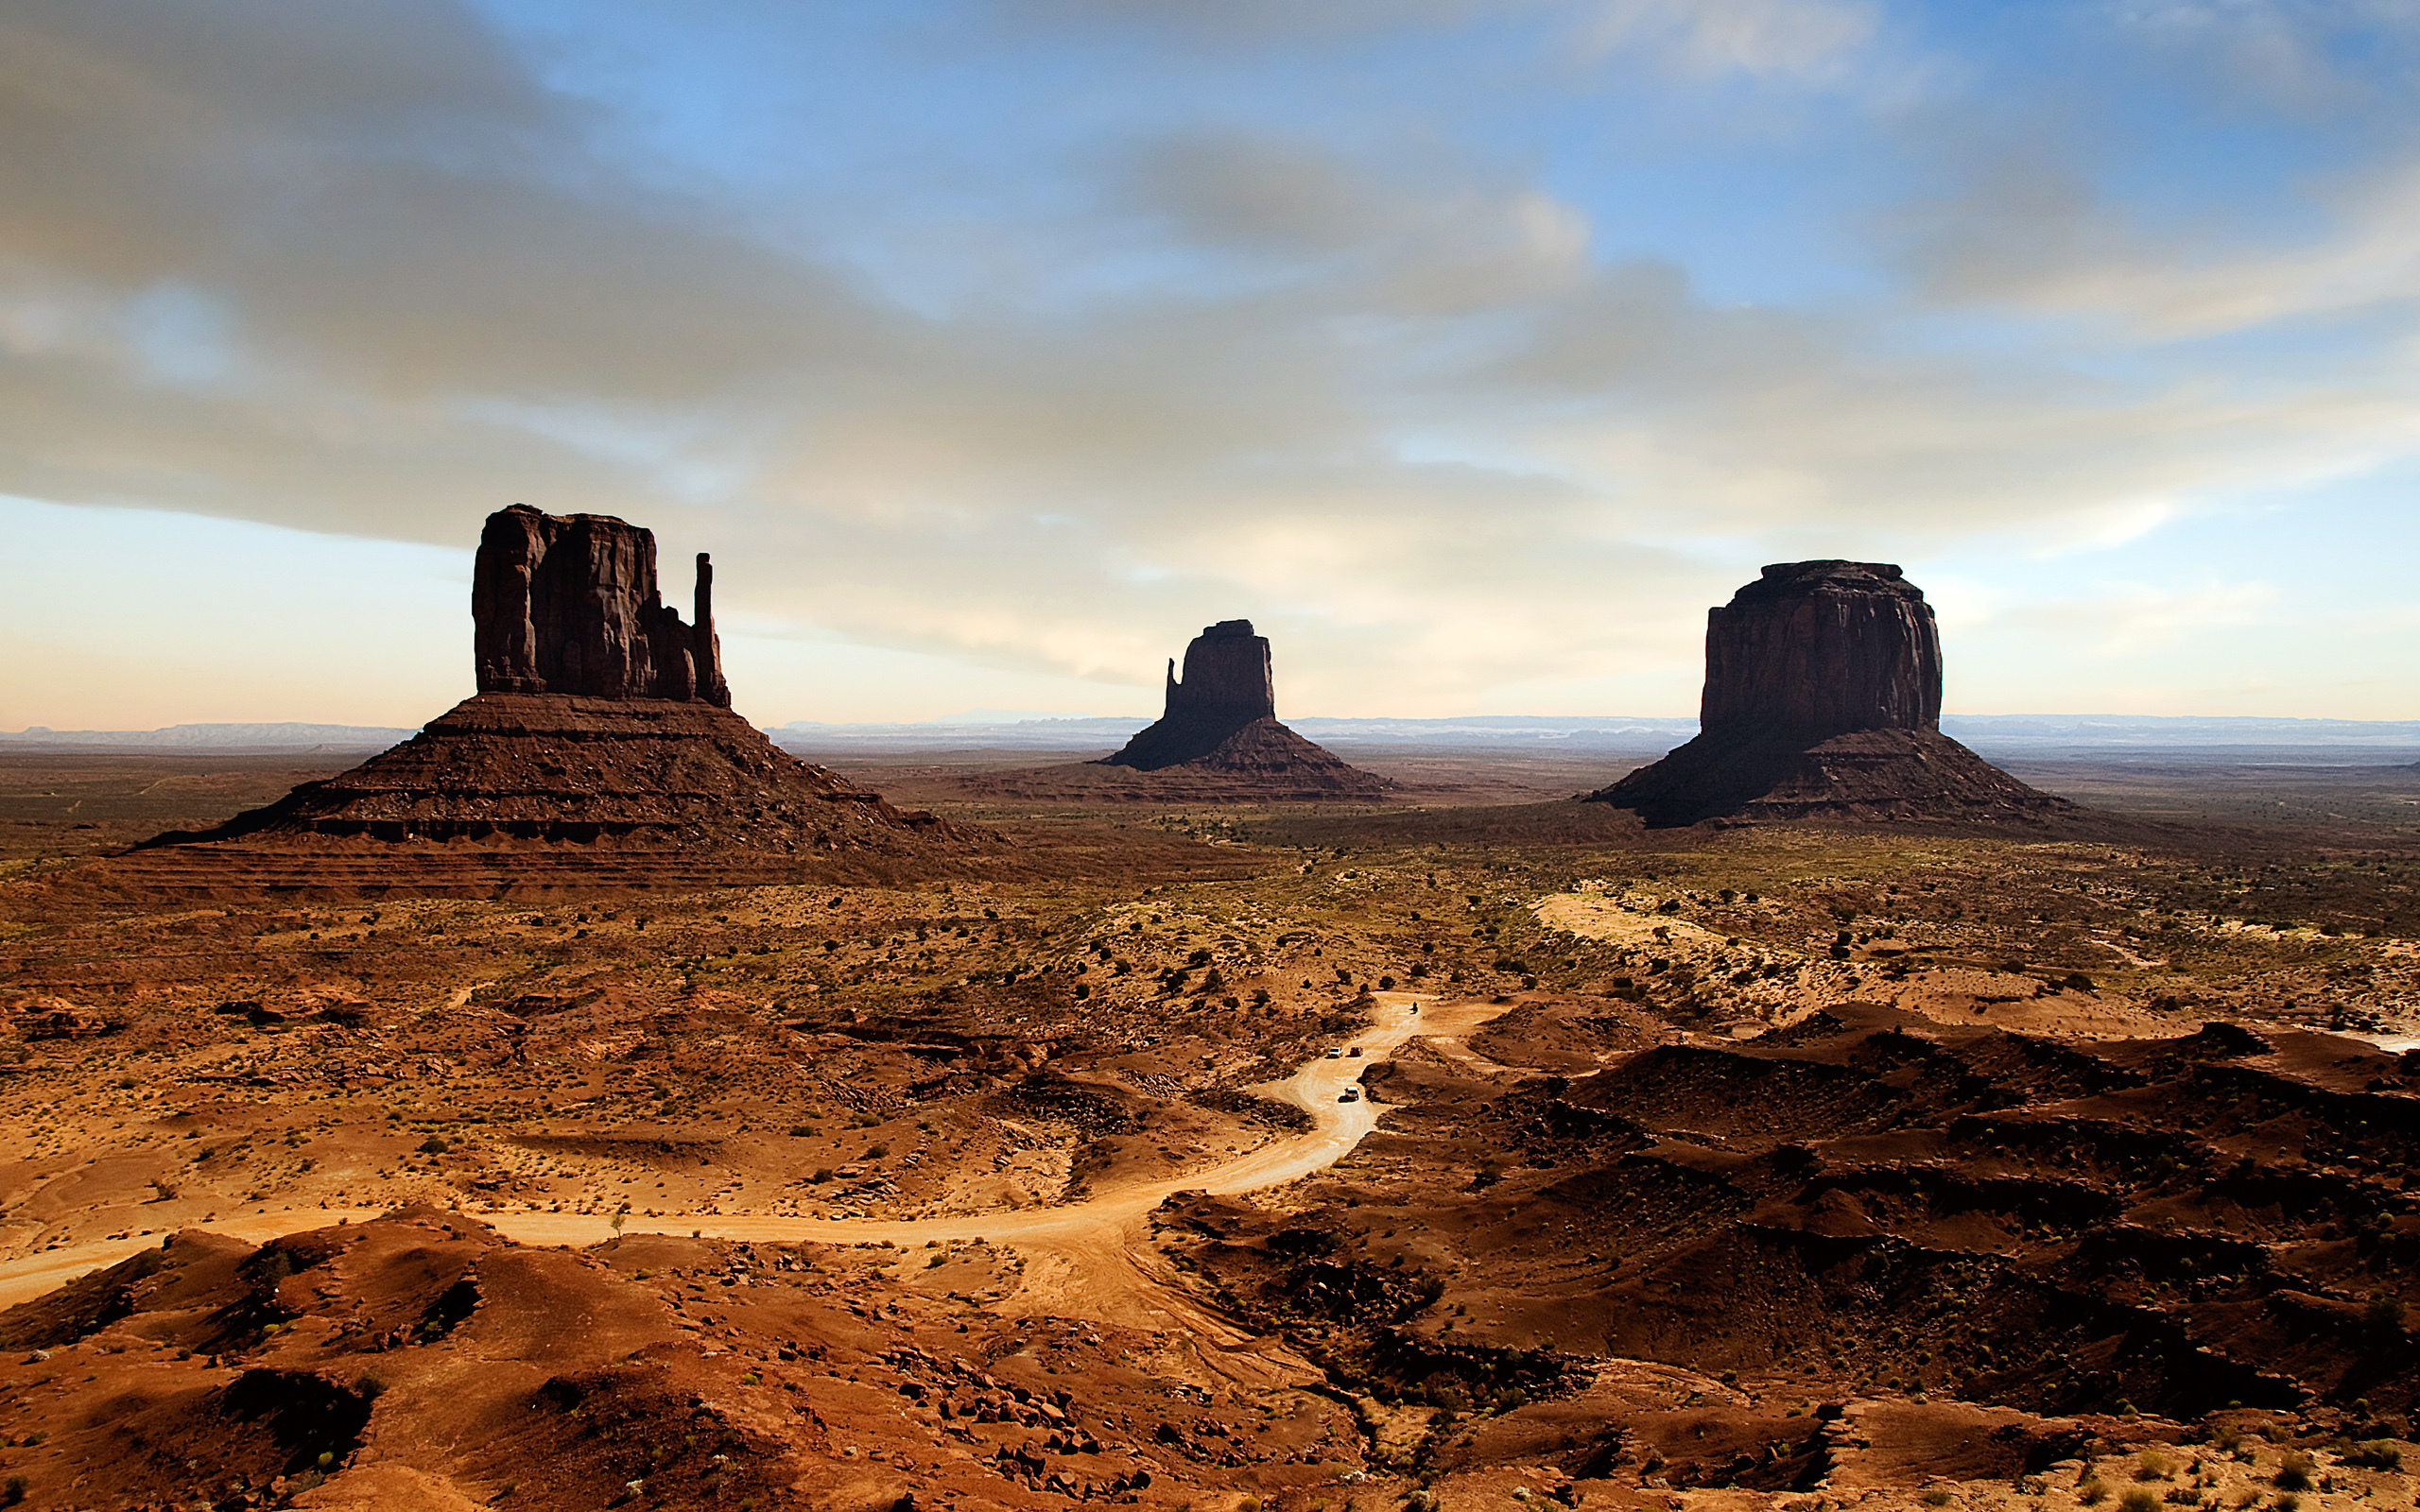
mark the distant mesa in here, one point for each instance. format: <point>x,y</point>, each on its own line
<point>600,751</point>
<point>1823,700</point>
<point>1221,724</point>
<point>1227,688</point>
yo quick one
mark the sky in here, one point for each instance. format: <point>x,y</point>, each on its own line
<point>1471,347</point>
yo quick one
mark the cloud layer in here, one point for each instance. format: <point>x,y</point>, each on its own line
<point>1468,345</point>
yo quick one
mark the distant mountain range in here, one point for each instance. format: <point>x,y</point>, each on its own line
<point>288,736</point>
<point>2033,736</point>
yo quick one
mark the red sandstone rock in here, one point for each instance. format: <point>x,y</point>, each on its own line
<point>600,751</point>
<point>1222,722</point>
<point>1820,648</point>
<point>1823,700</point>
<point>569,604</point>
<point>506,768</point>
<point>1227,686</point>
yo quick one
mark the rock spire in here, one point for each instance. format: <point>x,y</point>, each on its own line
<point>599,753</point>
<point>1227,685</point>
<point>1822,700</point>
<point>1220,726</point>
<point>569,604</point>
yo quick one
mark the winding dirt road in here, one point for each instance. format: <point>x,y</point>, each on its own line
<point>1082,1260</point>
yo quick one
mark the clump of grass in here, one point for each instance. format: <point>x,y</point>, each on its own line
<point>2138,1498</point>
<point>2091,1492</point>
<point>2294,1472</point>
<point>2150,1464</point>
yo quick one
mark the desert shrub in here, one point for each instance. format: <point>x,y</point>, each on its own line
<point>2287,1503</point>
<point>875,1152</point>
<point>13,1492</point>
<point>2138,1498</point>
<point>2294,1472</point>
<point>821,1175</point>
<point>433,1146</point>
<point>2150,1464</point>
<point>2384,1316</point>
<point>2376,1454</point>
<point>1939,1496</point>
<point>2091,1492</point>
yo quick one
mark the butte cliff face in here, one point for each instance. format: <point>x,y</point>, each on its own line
<point>569,604</point>
<point>600,751</point>
<point>1823,700</point>
<point>1814,649</point>
<point>1220,726</point>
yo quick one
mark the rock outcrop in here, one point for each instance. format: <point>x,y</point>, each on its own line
<point>1814,649</point>
<point>1227,686</point>
<point>1220,727</point>
<point>1823,700</point>
<point>599,752</point>
<point>569,604</point>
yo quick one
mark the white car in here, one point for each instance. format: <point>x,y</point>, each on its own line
<point>1335,1053</point>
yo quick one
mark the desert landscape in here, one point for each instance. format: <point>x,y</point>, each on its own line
<point>1209,756</point>
<point>1437,1142</point>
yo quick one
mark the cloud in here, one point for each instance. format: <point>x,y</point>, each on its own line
<point>371,268</point>
<point>1808,41</point>
<point>2025,231</point>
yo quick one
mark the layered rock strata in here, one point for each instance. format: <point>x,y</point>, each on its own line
<point>1823,700</point>
<point>599,751</point>
<point>1220,729</point>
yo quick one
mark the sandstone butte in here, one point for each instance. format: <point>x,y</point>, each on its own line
<point>1823,700</point>
<point>1220,729</point>
<point>600,751</point>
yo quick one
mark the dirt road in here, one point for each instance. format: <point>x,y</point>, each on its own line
<point>1082,1260</point>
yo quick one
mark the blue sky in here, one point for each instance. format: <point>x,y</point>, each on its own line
<point>995,345</point>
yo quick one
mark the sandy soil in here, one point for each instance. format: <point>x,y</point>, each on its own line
<point>1726,1168</point>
